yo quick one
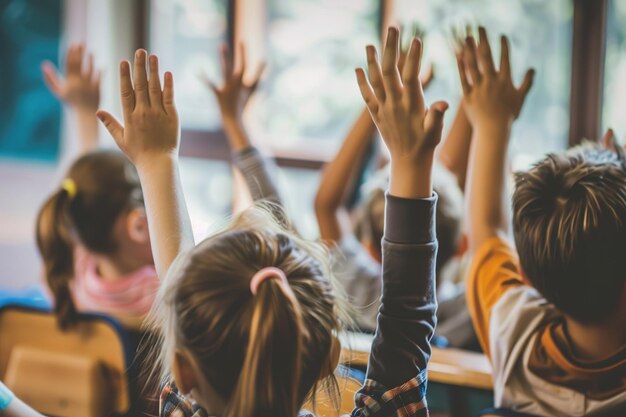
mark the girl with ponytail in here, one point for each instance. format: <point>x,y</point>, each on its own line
<point>92,232</point>
<point>247,320</point>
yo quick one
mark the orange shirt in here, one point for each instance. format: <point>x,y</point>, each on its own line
<point>525,337</point>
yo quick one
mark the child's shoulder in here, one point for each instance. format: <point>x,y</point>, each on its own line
<point>173,404</point>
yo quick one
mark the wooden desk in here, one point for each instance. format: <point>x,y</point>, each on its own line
<point>447,366</point>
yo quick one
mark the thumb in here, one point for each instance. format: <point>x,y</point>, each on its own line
<point>114,127</point>
<point>433,123</point>
<point>607,139</point>
<point>527,83</point>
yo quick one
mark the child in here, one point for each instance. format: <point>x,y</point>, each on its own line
<point>248,316</point>
<point>92,232</point>
<point>553,321</point>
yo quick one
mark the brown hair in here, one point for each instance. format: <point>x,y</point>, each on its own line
<point>568,217</point>
<point>370,219</point>
<point>106,184</point>
<point>264,354</point>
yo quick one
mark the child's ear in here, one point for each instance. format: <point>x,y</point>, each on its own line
<point>137,225</point>
<point>183,373</point>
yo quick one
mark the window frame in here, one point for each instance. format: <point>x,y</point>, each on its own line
<point>586,90</point>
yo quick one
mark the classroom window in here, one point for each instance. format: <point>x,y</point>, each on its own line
<point>615,68</point>
<point>540,33</point>
<point>186,34</point>
<point>30,116</point>
<point>309,95</point>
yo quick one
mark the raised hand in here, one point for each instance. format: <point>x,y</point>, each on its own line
<point>396,103</point>
<point>234,93</point>
<point>151,126</point>
<point>489,93</point>
<point>79,88</point>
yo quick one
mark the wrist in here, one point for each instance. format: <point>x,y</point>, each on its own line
<point>412,178</point>
<point>236,134</point>
<point>151,163</point>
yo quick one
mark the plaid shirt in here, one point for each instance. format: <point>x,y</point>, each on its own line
<point>372,400</point>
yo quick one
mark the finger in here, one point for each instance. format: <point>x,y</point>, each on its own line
<point>126,89</point>
<point>168,93</point>
<point>607,139</point>
<point>505,62</point>
<point>257,76</point>
<point>88,73</point>
<point>391,76</point>
<point>51,78</point>
<point>410,75</point>
<point>467,89</point>
<point>527,83</point>
<point>226,61</point>
<point>204,78</point>
<point>74,59</point>
<point>97,76</point>
<point>114,127</point>
<point>470,60</point>
<point>367,92</point>
<point>140,78</point>
<point>154,82</point>
<point>484,53</point>
<point>376,77</point>
<point>428,77</point>
<point>433,123</point>
<point>239,66</point>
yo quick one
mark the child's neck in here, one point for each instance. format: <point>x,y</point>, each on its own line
<point>599,341</point>
<point>113,268</point>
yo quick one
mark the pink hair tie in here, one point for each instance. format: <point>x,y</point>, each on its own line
<point>264,274</point>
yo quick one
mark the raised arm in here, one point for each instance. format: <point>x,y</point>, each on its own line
<point>233,96</point>
<point>338,179</point>
<point>406,321</point>
<point>455,149</point>
<point>79,90</point>
<point>492,103</point>
<point>150,138</point>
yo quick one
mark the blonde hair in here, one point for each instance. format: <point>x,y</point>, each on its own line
<point>265,354</point>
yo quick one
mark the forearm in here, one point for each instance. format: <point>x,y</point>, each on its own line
<point>339,175</point>
<point>87,127</point>
<point>454,151</point>
<point>401,347</point>
<point>257,174</point>
<point>236,134</point>
<point>168,219</point>
<point>409,179</point>
<point>486,194</point>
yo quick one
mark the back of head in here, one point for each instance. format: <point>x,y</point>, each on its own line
<point>568,218</point>
<point>370,219</point>
<point>264,353</point>
<point>98,188</point>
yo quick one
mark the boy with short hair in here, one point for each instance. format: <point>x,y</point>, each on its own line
<point>553,321</point>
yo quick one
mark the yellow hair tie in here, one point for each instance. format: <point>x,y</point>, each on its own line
<point>70,187</point>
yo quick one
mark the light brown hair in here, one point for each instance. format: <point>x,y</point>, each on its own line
<point>264,354</point>
<point>569,214</point>
<point>106,185</point>
<point>370,219</point>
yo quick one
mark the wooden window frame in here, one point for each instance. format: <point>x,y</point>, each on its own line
<point>587,77</point>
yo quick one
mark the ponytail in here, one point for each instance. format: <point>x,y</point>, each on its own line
<point>55,244</point>
<point>270,378</point>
